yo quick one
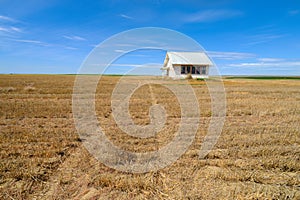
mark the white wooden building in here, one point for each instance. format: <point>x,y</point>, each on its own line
<point>178,65</point>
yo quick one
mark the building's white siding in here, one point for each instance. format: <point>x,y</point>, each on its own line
<point>174,61</point>
<point>177,69</point>
<point>171,71</point>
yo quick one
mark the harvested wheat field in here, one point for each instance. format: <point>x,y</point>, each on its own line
<point>256,157</point>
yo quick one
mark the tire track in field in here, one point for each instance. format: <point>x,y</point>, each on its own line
<point>153,99</point>
<point>72,178</point>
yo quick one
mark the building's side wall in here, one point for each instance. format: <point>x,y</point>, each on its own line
<point>172,73</point>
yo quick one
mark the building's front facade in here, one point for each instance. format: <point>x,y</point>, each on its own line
<point>180,64</point>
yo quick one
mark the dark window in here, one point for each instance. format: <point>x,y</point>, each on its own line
<point>193,70</point>
<point>182,69</point>
<point>188,69</point>
<point>197,69</point>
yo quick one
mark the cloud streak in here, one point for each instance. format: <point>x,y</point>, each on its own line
<point>32,42</point>
<point>264,38</point>
<point>70,48</point>
<point>270,59</point>
<point>74,38</point>
<point>212,15</point>
<point>230,55</point>
<point>120,51</point>
<point>10,29</point>
<point>44,44</point>
<point>146,65</point>
<point>5,18</point>
<point>125,16</point>
<point>267,64</point>
<point>294,12</point>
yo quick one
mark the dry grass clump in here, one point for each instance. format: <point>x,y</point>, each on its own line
<point>256,157</point>
<point>35,136</point>
<point>7,89</point>
<point>29,88</point>
<point>188,77</point>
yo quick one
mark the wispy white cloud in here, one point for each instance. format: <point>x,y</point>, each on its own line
<point>8,26</point>
<point>270,59</point>
<point>120,51</point>
<point>125,16</point>
<point>75,37</point>
<point>264,38</point>
<point>70,48</point>
<point>16,29</point>
<point>4,29</point>
<point>146,65</point>
<point>267,64</point>
<point>129,54</point>
<point>29,41</point>
<point>212,15</point>
<point>125,45</point>
<point>294,12</point>
<point>230,55</point>
<point>10,29</point>
<point>5,18</point>
<point>44,44</point>
<point>36,42</point>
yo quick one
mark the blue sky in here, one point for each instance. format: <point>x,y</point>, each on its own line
<point>242,37</point>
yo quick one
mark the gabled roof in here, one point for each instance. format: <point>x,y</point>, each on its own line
<point>193,58</point>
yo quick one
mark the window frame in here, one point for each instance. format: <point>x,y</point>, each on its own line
<point>193,69</point>
<point>204,70</point>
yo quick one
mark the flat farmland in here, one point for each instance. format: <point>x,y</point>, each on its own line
<point>257,155</point>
